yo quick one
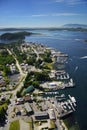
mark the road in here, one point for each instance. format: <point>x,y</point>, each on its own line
<point>22,76</point>
<point>36,53</point>
<point>17,63</point>
<point>13,92</point>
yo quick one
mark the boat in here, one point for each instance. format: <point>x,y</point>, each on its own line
<point>72,99</point>
<point>67,76</point>
<point>71,105</point>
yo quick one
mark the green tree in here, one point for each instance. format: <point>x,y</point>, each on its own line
<point>3,109</point>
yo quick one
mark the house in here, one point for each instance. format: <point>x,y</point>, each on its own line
<point>2,82</point>
<point>27,98</point>
<point>19,101</point>
<point>13,68</point>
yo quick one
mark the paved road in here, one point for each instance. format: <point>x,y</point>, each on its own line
<point>36,53</point>
<point>22,77</point>
<point>17,63</point>
<point>23,125</point>
<point>21,82</point>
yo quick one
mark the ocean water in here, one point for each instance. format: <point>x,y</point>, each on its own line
<point>73,44</point>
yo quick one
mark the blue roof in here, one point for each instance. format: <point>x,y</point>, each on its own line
<point>29,89</point>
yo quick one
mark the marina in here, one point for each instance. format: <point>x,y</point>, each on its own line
<point>64,41</point>
<point>64,106</point>
<point>74,55</point>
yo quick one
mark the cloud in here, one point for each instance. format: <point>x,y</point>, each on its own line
<point>39,15</point>
<point>55,14</point>
<point>65,14</point>
<point>59,1</point>
<point>74,2</point>
<point>71,2</point>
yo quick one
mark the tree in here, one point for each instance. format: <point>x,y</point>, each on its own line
<point>31,60</point>
<point>3,109</point>
<point>42,76</point>
<point>18,94</point>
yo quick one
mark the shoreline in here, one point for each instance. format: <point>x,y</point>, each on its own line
<point>57,59</point>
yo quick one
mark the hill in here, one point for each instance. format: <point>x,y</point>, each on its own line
<point>15,36</point>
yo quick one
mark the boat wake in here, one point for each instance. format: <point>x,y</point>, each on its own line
<point>76,68</point>
<point>78,39</point>
<point>84,57</point>
<point>70,59</point>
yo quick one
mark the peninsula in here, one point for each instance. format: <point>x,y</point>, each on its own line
<point>30,76</point>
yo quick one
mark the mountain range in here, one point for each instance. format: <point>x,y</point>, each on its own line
<point>74,26</point>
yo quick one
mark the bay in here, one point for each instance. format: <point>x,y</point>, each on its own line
<point>73,44</point>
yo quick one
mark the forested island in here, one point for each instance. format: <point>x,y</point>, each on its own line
<point>16,35</point>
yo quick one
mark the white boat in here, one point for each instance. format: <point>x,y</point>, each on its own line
<point>71,105</point>
<point>72,99</point>
<point>67,76</point>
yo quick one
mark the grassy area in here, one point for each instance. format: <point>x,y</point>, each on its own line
<point>4,105</point>
<point>49,65</point>
<point>14,125</point>
<point>52,124</point>
<point>30,125</point>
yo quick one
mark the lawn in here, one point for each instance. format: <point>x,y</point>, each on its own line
<point>52,124</point>
<point>49,65</point>
<point>14,125</point>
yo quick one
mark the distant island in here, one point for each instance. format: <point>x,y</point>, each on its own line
<point>15,36</point>
<point>24,33</point>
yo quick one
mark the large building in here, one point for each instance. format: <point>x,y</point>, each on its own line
<point>41,115</point>
<point>28,108</point>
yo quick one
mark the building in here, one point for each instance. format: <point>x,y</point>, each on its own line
<point>29,89</point>
<point>2,81</point>
<point>28,108</point>
<point>41,115</point>
<point>27,98</point>
<point>52,85</point>
<point>19,101</point>
<point>61,58</point>
<point>52,114</point>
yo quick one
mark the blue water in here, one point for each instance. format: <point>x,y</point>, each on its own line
<point>73,44</point>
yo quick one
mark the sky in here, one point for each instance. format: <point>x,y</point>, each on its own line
<point>42,13</point>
